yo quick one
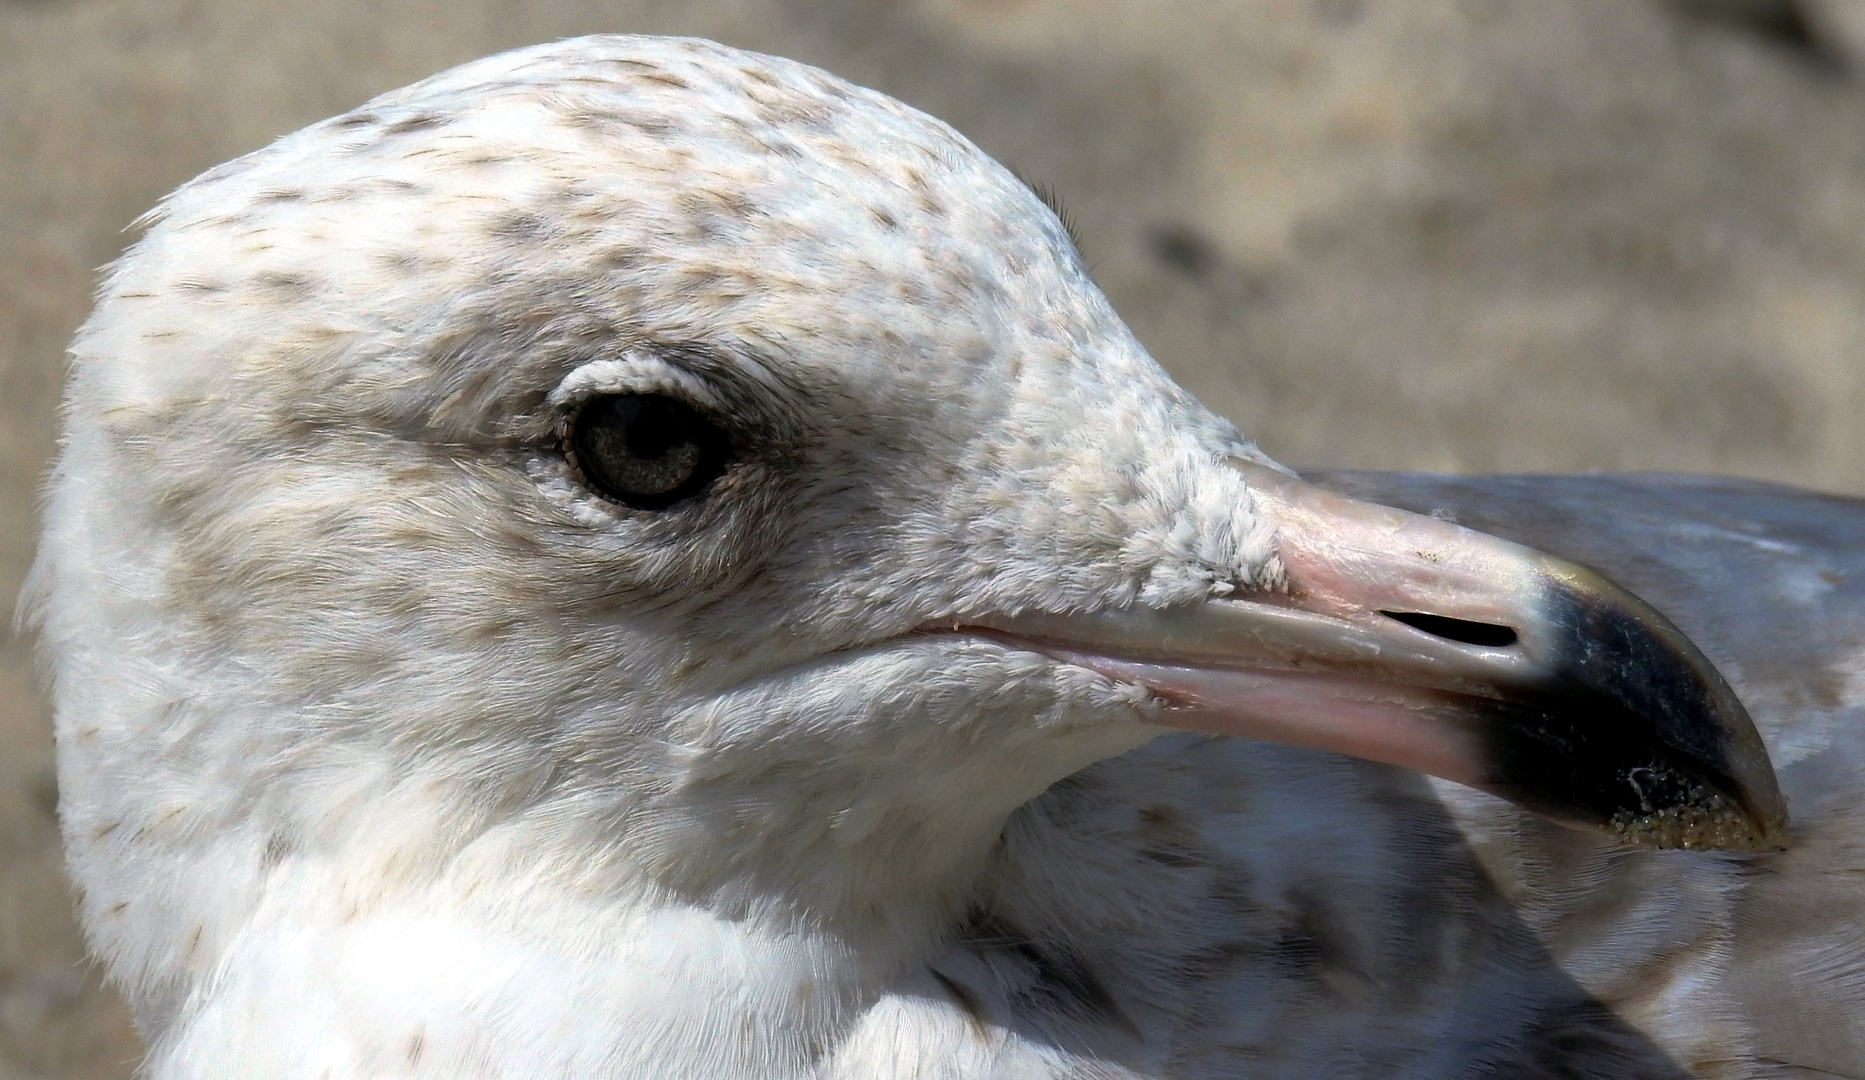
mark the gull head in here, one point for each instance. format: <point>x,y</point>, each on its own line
<point>665,475</point>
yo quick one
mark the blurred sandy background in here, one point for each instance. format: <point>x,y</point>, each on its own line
<point>1443,234</point>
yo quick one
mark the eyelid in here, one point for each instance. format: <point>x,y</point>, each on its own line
<point>634,372</point>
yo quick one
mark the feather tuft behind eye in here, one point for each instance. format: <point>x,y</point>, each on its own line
<point>646,451</point>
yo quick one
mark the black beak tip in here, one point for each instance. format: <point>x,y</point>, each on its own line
<point>1594,763</point>
<point>1638,733</point>
<point>1688,811</point>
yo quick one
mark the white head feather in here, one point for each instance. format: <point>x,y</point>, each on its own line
<point>355,673</point>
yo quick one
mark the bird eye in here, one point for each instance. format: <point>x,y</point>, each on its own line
<point>645,450</point>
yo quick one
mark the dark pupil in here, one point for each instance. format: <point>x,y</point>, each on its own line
<point>646,450</point>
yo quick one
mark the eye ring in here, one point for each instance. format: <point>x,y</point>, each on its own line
<point>646,451</point>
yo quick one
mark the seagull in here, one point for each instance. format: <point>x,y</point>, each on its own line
<point>633,558</point>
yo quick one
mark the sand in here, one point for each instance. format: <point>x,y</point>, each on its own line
<point>1480,235</point>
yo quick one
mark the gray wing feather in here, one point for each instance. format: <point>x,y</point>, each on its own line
<point>1770,582</point>
<point>1209,908</point>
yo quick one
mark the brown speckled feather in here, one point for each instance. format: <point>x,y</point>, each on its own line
<point>400,737</point>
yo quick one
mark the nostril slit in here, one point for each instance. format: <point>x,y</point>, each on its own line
<point>1463,630</point>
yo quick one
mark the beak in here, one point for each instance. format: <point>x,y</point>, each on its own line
<point>1412,641</point>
